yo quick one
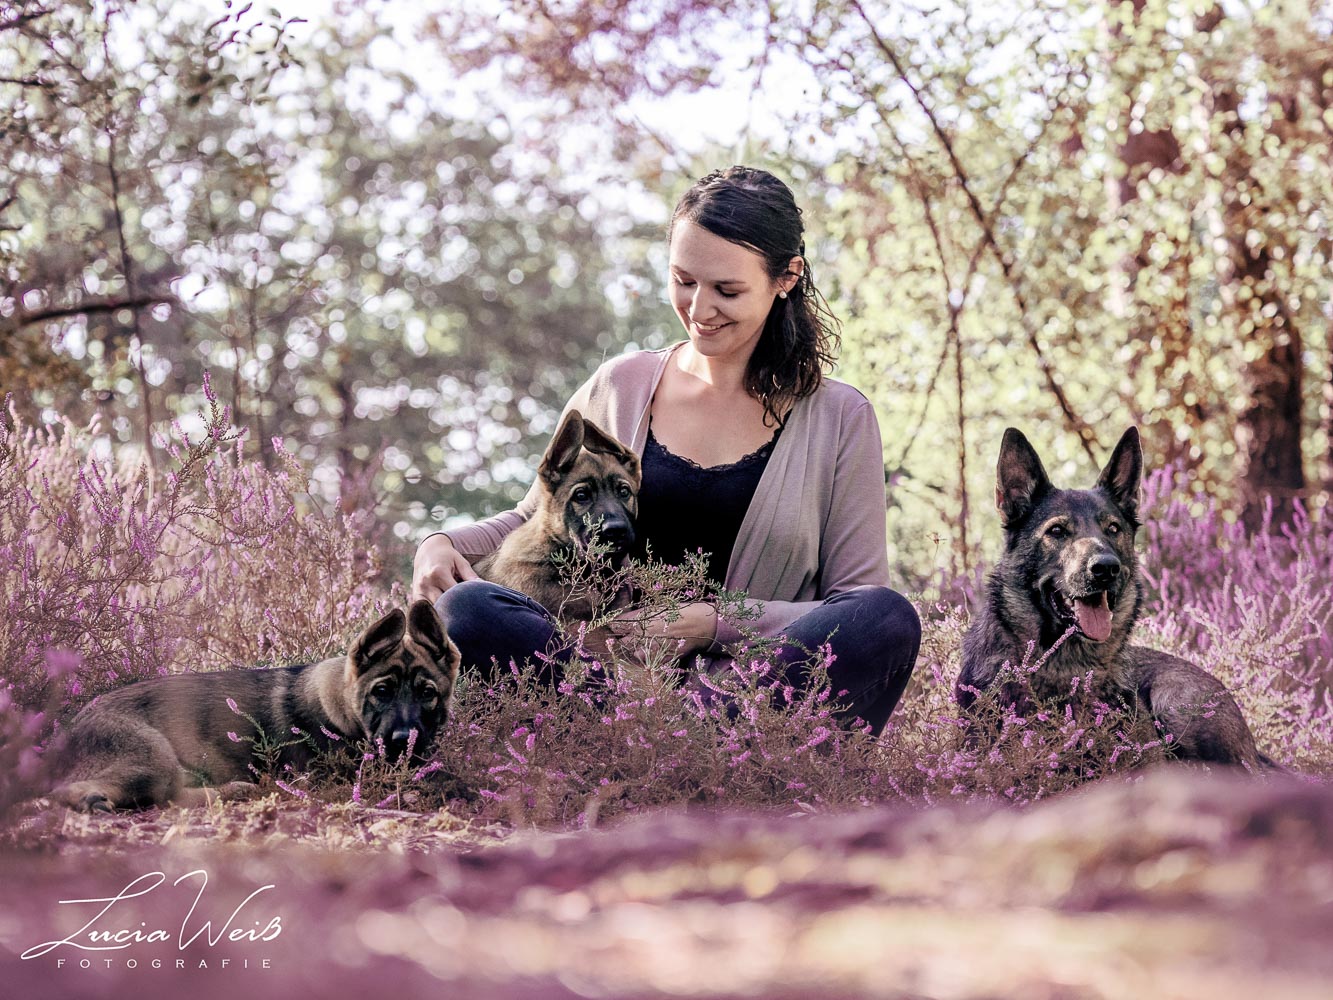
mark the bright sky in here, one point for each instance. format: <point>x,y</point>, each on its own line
<point>692,122</point>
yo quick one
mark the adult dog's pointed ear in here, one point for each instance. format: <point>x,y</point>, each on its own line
<point>1124,473</point>
<point>1020,480</point>
<point>563,450</point>
<point>597,440</point>
<point>423,625</point>
<point>377,641</point>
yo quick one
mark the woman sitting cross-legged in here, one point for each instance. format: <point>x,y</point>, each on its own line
<point>749,453</point>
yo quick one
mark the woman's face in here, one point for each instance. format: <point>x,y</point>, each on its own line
<point>721,291</point>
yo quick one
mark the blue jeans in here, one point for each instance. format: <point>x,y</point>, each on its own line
<point>874,633</point>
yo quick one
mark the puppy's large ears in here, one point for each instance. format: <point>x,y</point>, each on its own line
<point>563,450</point>
<point>378,640</point>
<point>1020,480</point>
<point>423,625</point>
<point>1123,473</point>
<point>597,440</point>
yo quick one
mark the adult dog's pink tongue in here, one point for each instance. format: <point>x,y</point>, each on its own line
<point>1094,619</point>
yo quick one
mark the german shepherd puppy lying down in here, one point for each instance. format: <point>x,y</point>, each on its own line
<point>169,739</point>
<point>1069,562</point>
<point>589,489</point>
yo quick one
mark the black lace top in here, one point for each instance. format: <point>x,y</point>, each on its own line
<point>684,506</point>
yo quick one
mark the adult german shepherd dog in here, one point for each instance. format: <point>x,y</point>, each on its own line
<point>173,739</point>
<point>589,495</point>
<point>1069,562</point>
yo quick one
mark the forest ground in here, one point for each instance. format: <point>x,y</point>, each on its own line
<point>1174,882</point>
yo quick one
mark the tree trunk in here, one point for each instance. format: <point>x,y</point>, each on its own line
<point>1268,430</point>
<point>1269,464</point>
<point>1171,325</point>
<point>1268,427</point>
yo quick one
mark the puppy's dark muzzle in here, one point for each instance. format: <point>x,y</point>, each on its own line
<point>618,535</point>
<point>403,737</point>
<point>613,529</point>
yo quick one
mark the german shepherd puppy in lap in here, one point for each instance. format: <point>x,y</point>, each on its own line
<point>169,739</point>
<point>589,492</point>
<point>1069,561</point>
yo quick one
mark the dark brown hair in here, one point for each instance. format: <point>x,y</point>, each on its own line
<point>799,342</point>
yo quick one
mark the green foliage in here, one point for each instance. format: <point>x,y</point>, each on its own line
<point>1059,242</point>
<point>410,296</point>
<point>1065,217</point>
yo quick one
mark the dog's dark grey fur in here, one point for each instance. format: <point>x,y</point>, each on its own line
<point>1069,561</point>
<point>168,739</point>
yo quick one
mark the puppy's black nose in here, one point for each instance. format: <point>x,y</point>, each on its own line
<point>1104,568</point>
<point>619,534</point>
<point>399,741</point>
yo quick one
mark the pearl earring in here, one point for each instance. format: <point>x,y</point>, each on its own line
<point>782,295</point>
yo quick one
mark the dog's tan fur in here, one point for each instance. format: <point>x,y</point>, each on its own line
<point>170,739</point>
<point>586,478</point>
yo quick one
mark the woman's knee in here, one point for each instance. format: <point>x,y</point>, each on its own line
<point>490,622</point>
<point>897,640</point>
<point>469,607</point>
<point>895,619</point>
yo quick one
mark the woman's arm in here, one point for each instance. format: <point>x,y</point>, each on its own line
<point>437,566</point>
<point>854,545</point>
<point>853,542</point>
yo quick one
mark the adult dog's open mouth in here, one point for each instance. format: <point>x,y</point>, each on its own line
<point>1091,613</point>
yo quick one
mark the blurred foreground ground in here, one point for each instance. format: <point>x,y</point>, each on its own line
<point>1177,884</point>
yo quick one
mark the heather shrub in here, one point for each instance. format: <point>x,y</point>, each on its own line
<point>609,740</point>
<point>119,569</point>
<point>615,736</point>
<point>1255,611</point>
<point>189,556</point>
<point>618,733</point>
<point>525,753</point>
<point>1197,564</point>
<point>1262,655</point>
<point>24,768</point>
<point>1012,745</point>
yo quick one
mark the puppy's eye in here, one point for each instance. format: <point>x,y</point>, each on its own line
<point>1057,531</point>
<point>382,690</point>
<point>1113,528</point>
<point>581,494</point>
<point>427,695</point>
<point>624,492</point>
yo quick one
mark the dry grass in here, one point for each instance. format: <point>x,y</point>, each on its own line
<point>618,837</point>
<point>1173,884</point>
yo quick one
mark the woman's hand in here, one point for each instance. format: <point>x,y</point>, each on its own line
<point>437,567</point>
<point>644,637</point>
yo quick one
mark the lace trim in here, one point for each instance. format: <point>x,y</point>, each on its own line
<point>759,454</point>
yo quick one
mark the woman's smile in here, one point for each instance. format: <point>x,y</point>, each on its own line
<point>721,291</point>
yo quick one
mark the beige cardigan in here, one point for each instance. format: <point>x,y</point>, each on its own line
<point>816,524</point>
